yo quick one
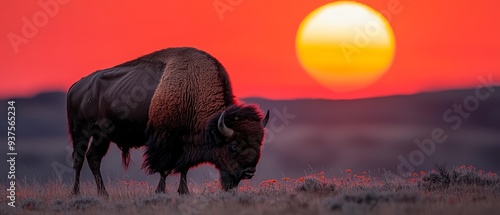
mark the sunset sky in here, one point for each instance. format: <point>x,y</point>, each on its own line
<point>439,44</point>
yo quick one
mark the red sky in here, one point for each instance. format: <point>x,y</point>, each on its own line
<point>439,44</point>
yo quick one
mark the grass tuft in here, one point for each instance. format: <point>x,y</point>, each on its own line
<point>84,203</point>
<point>152,200</point>
<point>32,204</point>
<point>369,199</point>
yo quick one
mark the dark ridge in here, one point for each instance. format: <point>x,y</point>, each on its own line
<point>45,113</point>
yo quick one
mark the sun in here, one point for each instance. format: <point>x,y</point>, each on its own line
<point>345,45</point>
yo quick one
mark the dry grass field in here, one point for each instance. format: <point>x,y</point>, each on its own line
<point>459,190</point>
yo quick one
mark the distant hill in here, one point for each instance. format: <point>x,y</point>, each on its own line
<point>45,113</point>
<point>39,116</point>
<point>423,108</point>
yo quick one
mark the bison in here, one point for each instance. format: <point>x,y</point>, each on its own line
<point>178,103</point>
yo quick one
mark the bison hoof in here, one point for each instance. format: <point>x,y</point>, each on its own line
<point>75,192</point>
<point>183,191</point>
<point>160,191</point>
<point>103,193</point>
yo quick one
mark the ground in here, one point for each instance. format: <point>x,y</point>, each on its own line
<point>459,190</point>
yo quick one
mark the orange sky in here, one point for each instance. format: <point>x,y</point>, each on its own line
<point>439,44</point>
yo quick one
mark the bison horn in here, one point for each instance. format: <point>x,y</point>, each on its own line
<point>226,131</point>
<point>265,120</point>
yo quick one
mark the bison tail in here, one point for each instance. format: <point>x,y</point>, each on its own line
<point>125,157</point>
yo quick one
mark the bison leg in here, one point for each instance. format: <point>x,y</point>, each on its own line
<point>161,184</point>
<point>97,150</point>
<point>80,144</point>
<point>183,188</point>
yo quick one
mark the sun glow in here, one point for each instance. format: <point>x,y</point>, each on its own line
<point>345,45</point>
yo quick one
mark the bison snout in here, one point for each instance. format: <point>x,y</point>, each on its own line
<point>248,173</point>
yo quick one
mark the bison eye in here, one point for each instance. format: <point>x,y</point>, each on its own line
<point>234,146</point>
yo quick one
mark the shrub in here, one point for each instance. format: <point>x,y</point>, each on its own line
<point>314,185</point>
<point>442,178</point>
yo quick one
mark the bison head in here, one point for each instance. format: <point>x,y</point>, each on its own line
<point>240,132</point>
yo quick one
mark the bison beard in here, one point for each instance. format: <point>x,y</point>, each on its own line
<point>178,102</point>
<point>228,181</point>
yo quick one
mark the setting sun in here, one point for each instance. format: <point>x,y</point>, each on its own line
<point>345,45</point>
